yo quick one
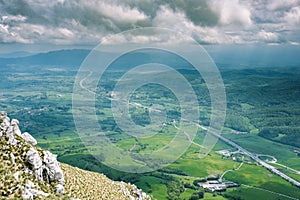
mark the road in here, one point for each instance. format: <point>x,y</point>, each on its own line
<point>230,170</point>
<point>253,156</point>
<point>286,167</point>
<point>189,137</point>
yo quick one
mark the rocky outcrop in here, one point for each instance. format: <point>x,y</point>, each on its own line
<point>29,139</point>
<point>29,172</point>
<point>133,192</point>
<point>24,159</point>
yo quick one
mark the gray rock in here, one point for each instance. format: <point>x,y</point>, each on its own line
<point>46,170</point>
<point>133,192</point>
<point>10,134</point>
<point>29,139</point>
<point>5,122</point>
<point>14,122</point>
<point>60,189</point>
<point>51,163</point>
<point>16,175</point>
<point>33,158</point>
<point>15,127</point>
<point>13,158</point>
<point>30,193</point>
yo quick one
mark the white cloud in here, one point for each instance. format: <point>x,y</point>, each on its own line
<point>231,12</point>
<point>295,43</point>
<point>178,21</point>
<point>12,18</point>
<point>293,16</point>
<point>268,37</point>
<point>4,29</point>
<point>121,13</point>
<point>282,5</point>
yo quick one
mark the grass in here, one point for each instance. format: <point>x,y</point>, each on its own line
<point>211,164</point>
<point>186,194</point>
<point>260,177</point>
<point>252,193</point>
<point>90,185</point>
<point>210,196</point>
<point>153,186</point>
<point>259,145</point>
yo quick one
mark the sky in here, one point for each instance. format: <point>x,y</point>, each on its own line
<point>68,23</point>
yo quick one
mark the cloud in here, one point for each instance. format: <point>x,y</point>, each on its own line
<point>293,16</point>
<point>231,12</point>
<point>282,5</point>
<point>121,13</point>
<point>11,18</point>
<point>268,37</point>
<point>208,21</point>
<point>178,21</point>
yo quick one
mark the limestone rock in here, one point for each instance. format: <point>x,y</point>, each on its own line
<point>35,161</point>
<point>60,189</point>
<point>5,120</point>
<point>33,158</point>
<point>29,139</point>
<point>30,193</point>
<point>133,192</point>
<point>13,158</point>
<point>16,175</point>
<point>10,134</point>
<point>15,127</point>
<point>54,171</point>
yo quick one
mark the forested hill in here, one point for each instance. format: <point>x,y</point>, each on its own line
<point>267,99</point>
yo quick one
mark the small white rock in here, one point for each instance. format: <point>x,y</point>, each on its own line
<point>16,175</point>
<point>13,158</point>
<point>60,189</point>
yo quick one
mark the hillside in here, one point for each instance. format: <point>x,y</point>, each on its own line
<point>29,172</point>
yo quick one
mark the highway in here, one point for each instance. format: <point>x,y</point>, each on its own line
<point>253,156</point>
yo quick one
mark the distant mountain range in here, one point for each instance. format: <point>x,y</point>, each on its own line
<point>61,57</point>
<point>223,56</point>
<point>75,57</point>
<point>16,54</point>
